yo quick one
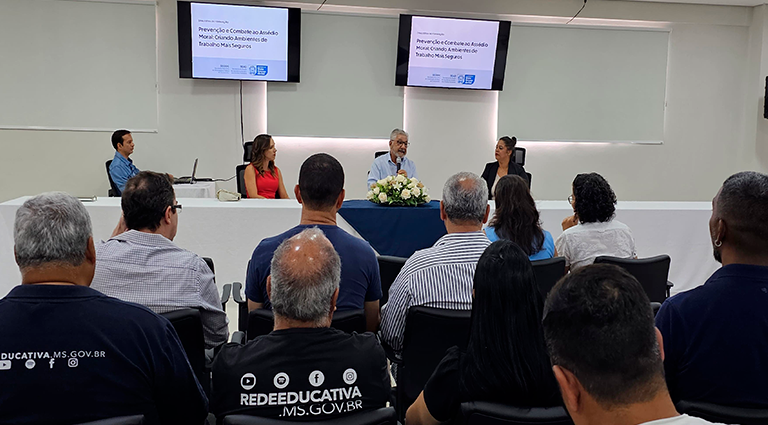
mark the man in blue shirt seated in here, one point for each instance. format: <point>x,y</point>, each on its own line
<point>321,192</point>
<point>121,169</point>
<point>716,335</point>
<point>71,354</point>
<point>387,165</point>
<point>303,370</point>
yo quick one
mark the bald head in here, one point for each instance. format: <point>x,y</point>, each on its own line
<point>740,215</point>
<point>305,275</point>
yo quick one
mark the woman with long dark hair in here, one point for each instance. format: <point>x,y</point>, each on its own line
<point>262,177</point>
<point>504,165</point>
<point>517,219</point>
<point>592,230</point>
<point>506,359</point>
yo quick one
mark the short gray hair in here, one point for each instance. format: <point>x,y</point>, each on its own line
<point>52,227</point>
<point>397,132</point>
<point>301,289</point>
<point>465,198</point>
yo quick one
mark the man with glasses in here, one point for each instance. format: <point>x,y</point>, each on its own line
<point>141,264</point>
<point>394,163</point>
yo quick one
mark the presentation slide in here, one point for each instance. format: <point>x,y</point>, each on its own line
<point>454,53</point>
<point>239,42</point>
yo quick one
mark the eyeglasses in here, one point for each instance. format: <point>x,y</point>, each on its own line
<point>176,207</point>
<point>401,143</point>
<point>570,199</point>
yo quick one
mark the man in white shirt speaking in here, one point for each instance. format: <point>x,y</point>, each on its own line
<point>394,162</point>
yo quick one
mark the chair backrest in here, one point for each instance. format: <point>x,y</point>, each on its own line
<point>379,153</point>
<point>189,327</point>
<point>122,420</point>
<point>247,148</point>
<point>529,179</point>
<point>209,262</point>
<point>349,321</point>
<point>723,414</point>
<point>651,272</point>
<point>519,156</point>
<point>240,171</point>
<point>114,191</point>
<point>548,272</point>
<point>389,268</point>
<point>382,416</point>
<point>486,413</point>
<point>261,322</point>
<point>429,332</point>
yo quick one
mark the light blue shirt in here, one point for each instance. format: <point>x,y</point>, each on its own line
<point>547,249</point>
<point>383,167</point>
<point>121,169</point>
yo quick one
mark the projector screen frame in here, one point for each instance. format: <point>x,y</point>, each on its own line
<point>404,47</point>
<point>184,26</point>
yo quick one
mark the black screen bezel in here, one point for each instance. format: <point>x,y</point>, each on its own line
<point>404,47</point>
<point>185,42</point>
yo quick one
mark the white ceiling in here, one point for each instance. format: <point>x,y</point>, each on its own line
<point>714,2</point>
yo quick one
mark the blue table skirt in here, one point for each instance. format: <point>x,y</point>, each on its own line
<point>398,231</point>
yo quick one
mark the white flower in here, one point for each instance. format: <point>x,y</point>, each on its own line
<point>369,195</point>
<point>414,180</point>
<point>411,185</point>
<point>390,178</point>
<point>427,198</point>
<point>415,191</point>
<point>424,190</point>
<point>376,190</point>
<point>397,186</point>
<point>383,197</point>
<point>401,178</point>
<point>406,194</point>
<point>382,182</point>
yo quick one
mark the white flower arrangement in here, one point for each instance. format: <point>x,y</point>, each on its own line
<point>398,190</point>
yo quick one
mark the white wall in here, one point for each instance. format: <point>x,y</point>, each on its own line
<point>712,126</point>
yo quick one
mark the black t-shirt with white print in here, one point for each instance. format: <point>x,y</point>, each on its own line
<point>302,374</point>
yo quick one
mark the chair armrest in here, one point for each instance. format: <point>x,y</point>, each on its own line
<point>669,287</point>
<point>390,352</point>
<point>238,337</point>
<point>226,292</point>
<point>242,306</point>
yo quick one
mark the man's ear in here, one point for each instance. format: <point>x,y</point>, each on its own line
<point>487,213</point>
<point>269,286</point>
<point>90,251</point>
<point>570,388</point>
<point>334,298</point>
<point>340,200</point>
<point>168,214</point>
<point>660,340</point>
<point>297,192</point>
<point>721,230</point>
<point>443,216</point>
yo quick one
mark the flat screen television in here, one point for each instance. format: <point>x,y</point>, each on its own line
<point>452,53</point>
<point>238,42</point>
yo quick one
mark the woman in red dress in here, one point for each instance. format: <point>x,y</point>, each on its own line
<point>263,179</point>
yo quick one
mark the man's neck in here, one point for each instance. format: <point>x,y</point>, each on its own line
<point>730,256</point>
<point>452,227</point>
<point>660,407</point>
<point>124,155</point>
<point>54,276</point>
<point>282,323</point>
<point>309,217</point>
<point>159,231</point>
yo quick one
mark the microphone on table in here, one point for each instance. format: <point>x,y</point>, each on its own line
<point>399,162</point>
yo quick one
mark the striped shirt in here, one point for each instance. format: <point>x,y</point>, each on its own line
<point>149,269</point>
<point>439,277</point>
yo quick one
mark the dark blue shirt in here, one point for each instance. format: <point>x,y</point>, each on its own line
<point>69,354</point>
<point>121,169</point>
<point>716,339</point>
<point>360,280</point>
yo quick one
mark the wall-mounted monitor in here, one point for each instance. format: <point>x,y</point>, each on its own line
<point>238,42</point>
<point>452,53</point>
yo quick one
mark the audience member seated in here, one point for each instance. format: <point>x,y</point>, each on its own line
<point>517,219</point>
<point>506,359</point>
<point>716,335</point>
<point>263,180</point>
<point>592,230</point>
<point>321,192</point>
<point>606,354</point>
<point>387,165</point>
<point>71,354</point>
<point>303,370</point>
<point>121,169</point>
<point>141,264</point>
<point>441,276</point>
<point>503,166</point>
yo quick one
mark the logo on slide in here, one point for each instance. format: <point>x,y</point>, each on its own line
<point>467,79</point>
<point>258,70</point>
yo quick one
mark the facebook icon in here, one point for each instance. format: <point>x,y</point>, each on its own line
<point>316,378</point>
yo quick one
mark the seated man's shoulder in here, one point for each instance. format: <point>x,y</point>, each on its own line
<point>343,241</point>
<point>270,244</point>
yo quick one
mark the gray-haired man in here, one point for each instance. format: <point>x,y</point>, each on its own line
<point>70,354</point>
<point>395,161</point>
<point>302,369</point>
<point>441,276</point>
